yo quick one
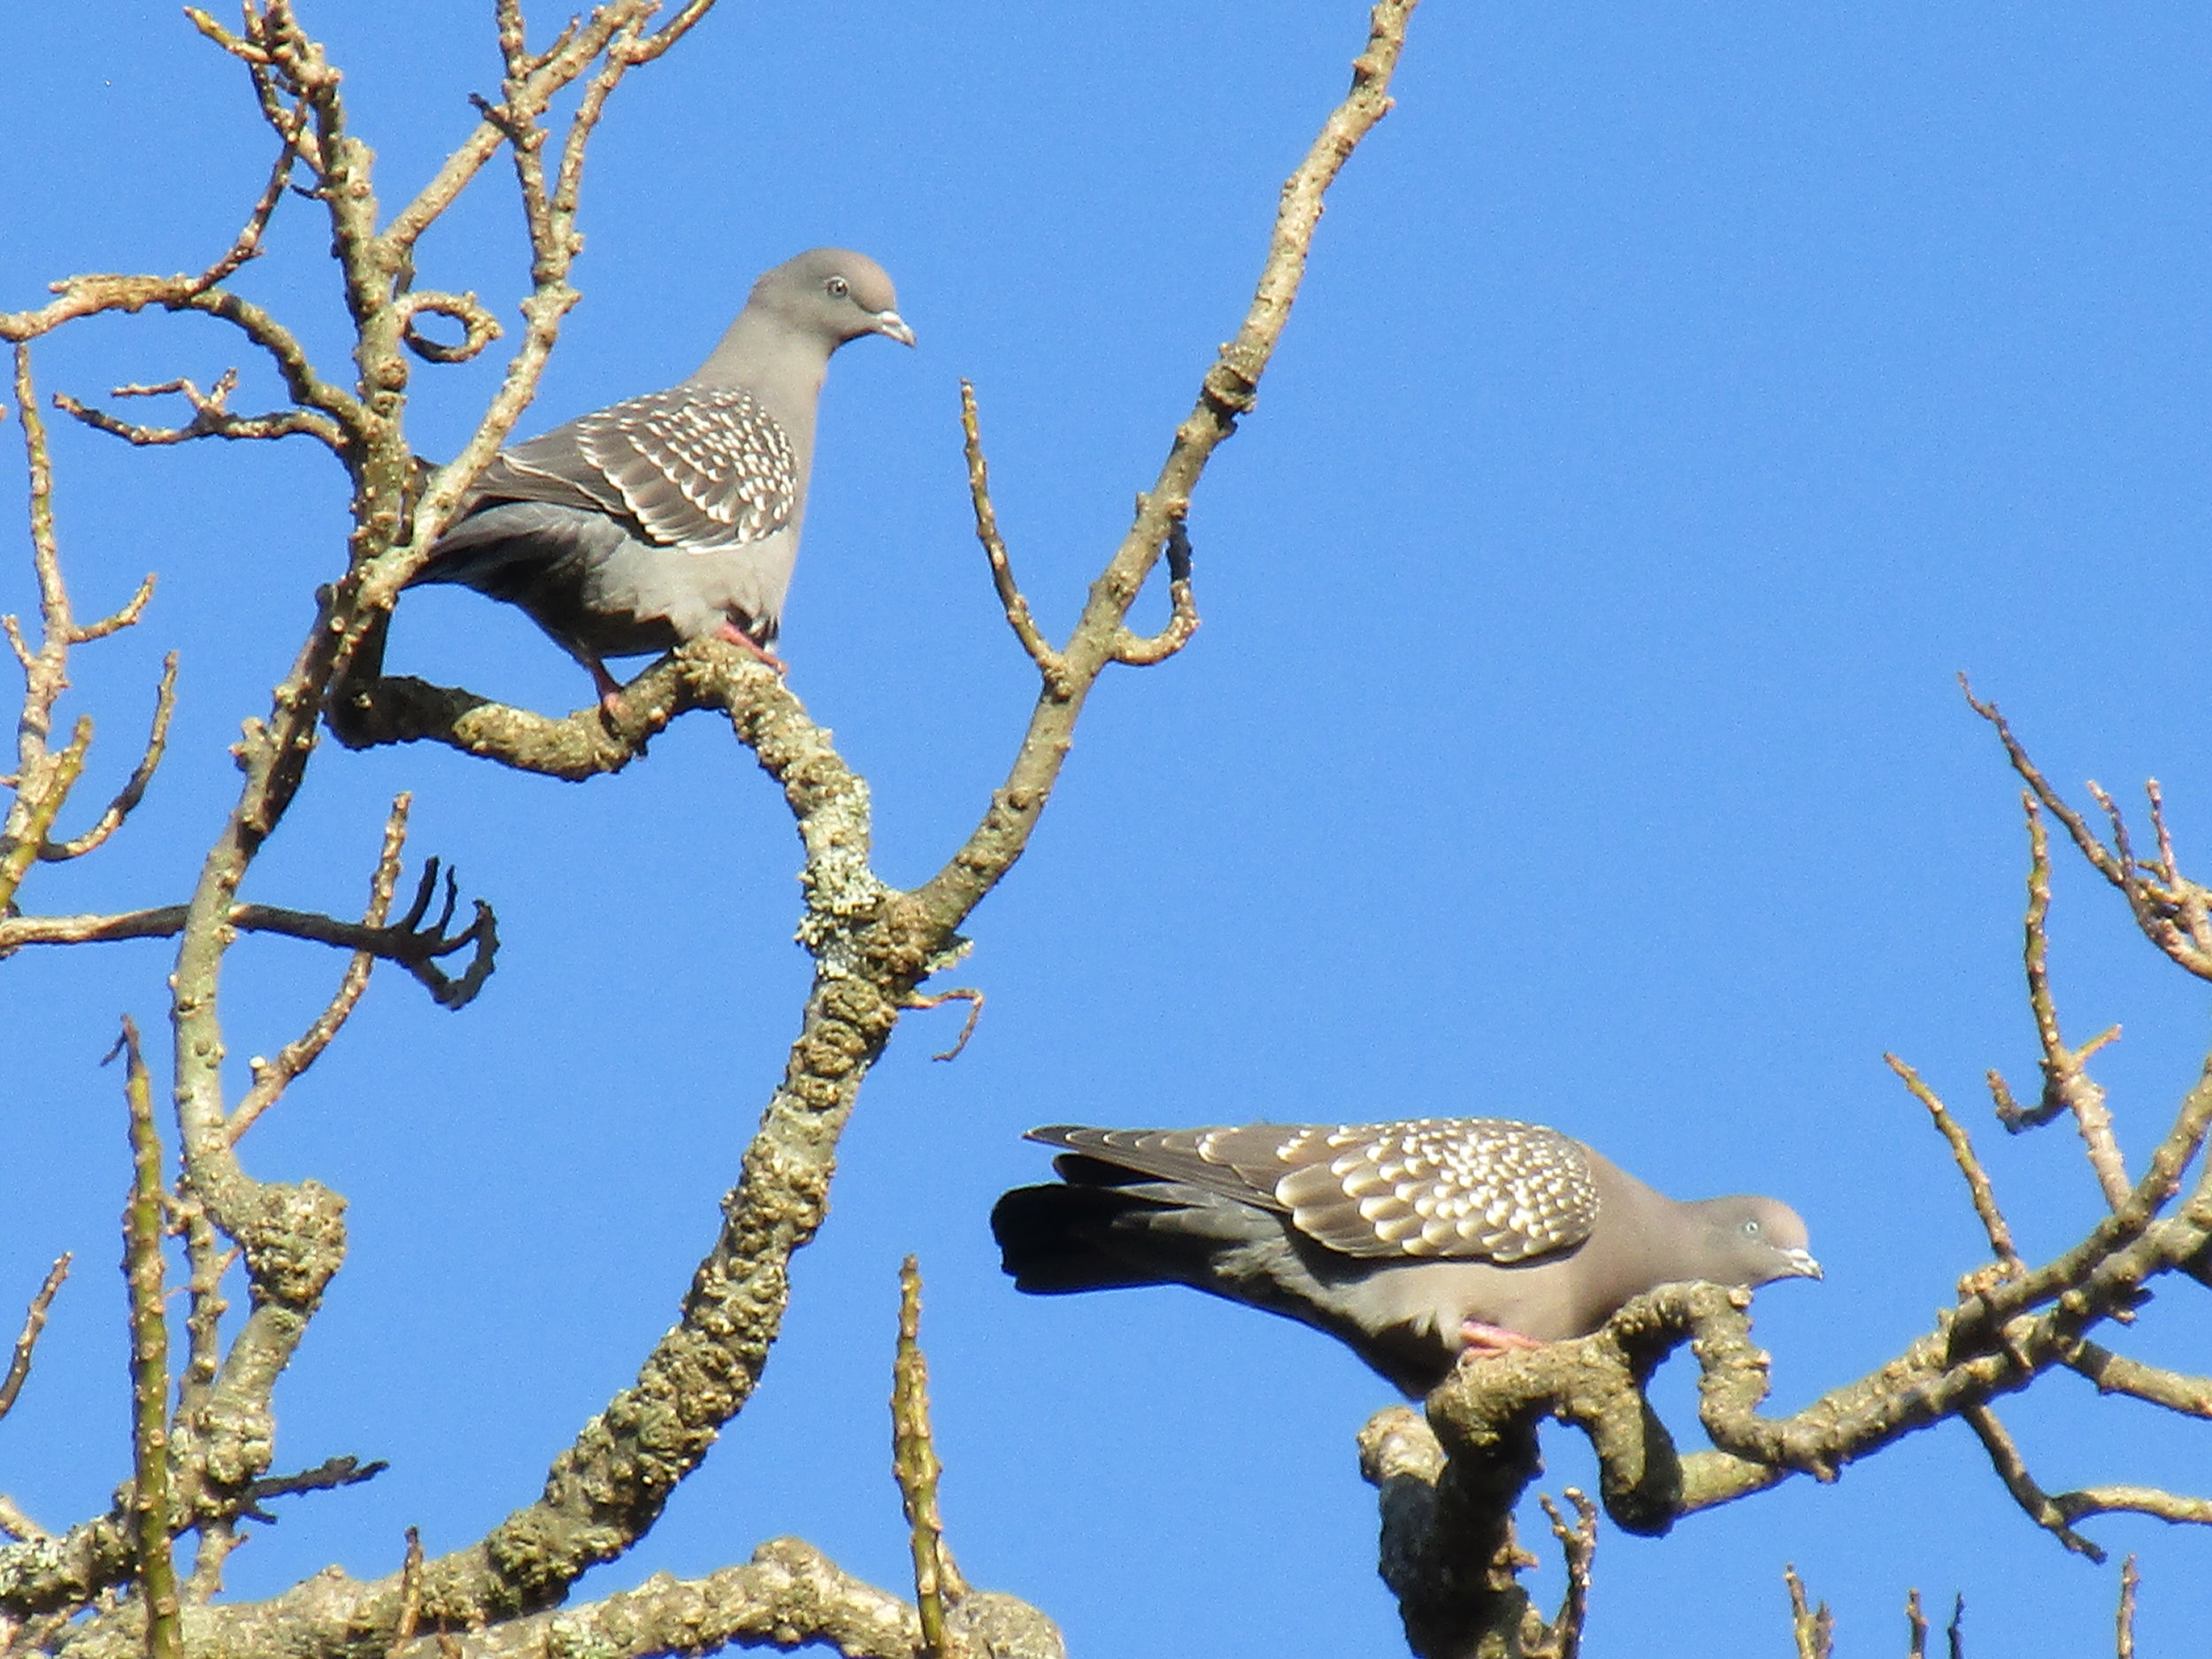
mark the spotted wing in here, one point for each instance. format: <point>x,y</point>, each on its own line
<point>1465,1188</point>
<point>693,467</point>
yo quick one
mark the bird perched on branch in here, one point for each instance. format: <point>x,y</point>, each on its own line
<point>674,516</point>
<point>1410,1242</point>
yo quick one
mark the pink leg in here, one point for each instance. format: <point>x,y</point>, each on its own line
<point>736,635</point>
<point>1481,1341</point>
<point>610,692</point>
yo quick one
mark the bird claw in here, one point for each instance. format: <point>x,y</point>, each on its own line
<point>610,691</point>
<point>1479,1342</point>
<point>759,653</point>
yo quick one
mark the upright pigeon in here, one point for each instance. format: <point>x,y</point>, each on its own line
<point>674,516</point>
<point>1410,1242</point>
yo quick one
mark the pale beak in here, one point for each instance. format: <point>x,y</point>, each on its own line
<point>1801,1263</point>
<point>894,326</point>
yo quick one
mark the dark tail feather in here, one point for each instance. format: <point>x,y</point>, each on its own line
<point>1053,1239</point>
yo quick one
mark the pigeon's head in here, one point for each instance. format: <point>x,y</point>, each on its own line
<point>835,295</point>
<point>1753,1241</point>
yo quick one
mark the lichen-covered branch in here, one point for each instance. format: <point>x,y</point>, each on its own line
<point>872,944</point>
<point>590,743</point>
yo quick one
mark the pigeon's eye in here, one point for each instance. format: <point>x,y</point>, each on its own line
<point>1751,1229</point>
<point>838,288</point>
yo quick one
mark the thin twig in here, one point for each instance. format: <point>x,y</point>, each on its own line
<point>2174,913</point>
<point>35,818</point>
<point>406,942</point>
<point>1140,652</point>
<point>2173,1506</point>
<point>133,791</point>
<point>2067,1085</point>
<point>1814,1628</point>
<point>2114,1373</point>
<point>2012,1469</point>
<point>271,1078</point>
<point>1978,1185</point>
<point>1916,1622</point>
<point>937,1581</point>
<point>480,327</point>
<point>210,417</point>
<point>410,1596</point>
<point>2124,1646</point>
<point>1049,662</point>
<point>330,1475</point>
<point>209,1262</point>
<point>974,1000</point>
<point>1227,392</point>
<point>17,1524</point>
<point>143,1267</point>
<point>2094,850</point>
<point>34,1322</point>
<point>1955,1632</point>
<point>291,133</point>
<point>1578,1547</point>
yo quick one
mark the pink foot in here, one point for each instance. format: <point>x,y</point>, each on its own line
<point>760,653</point>
<point>1480,1341</point>
<point>610,693</point>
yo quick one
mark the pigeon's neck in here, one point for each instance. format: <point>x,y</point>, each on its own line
<point>1641,1231</point>
<point>782,366</point>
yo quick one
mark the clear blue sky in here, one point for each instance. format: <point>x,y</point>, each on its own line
<point>1680,397</point>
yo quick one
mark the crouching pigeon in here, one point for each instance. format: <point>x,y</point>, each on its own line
<point>1410,1242</point>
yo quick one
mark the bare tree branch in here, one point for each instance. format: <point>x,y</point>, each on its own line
<point>972,997</point>
<point>872,944</point>
<point>406,942</point>
<point>271,1078</point>
<point>1978,1185</point>
<point>1226,394</point>
<point>27,1340</point>
<point>1138,652</point>
<point>210,416</point>
<point>410,1596</point>
<point>332,1474</point>
<point>1049,663</point>
<point>2113,1373</point>
<point>2067,1086</point>
<point>133,790</point>
<point>2173,913</point>
<point>1814,1628</point>
<point>2012,1469</point>
<point>142,1231</point>
<point>1578,1547</point>
<point>937,1585</point>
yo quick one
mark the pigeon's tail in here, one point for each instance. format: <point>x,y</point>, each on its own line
<point>1051,1239</point>
<point>1106,1228</point>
